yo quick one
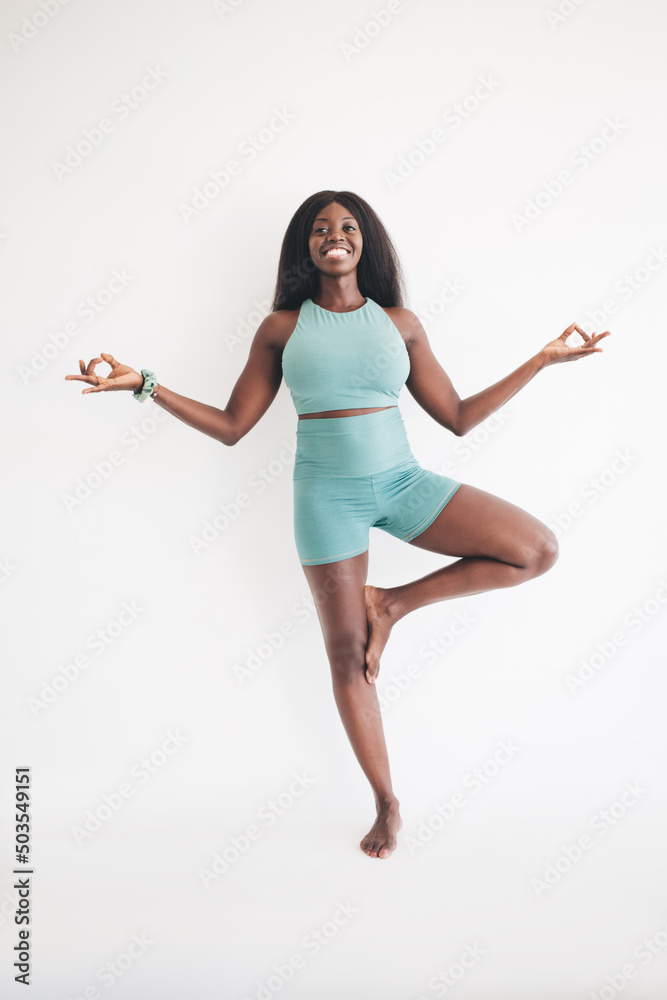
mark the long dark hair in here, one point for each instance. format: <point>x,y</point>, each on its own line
<point>379,273</point>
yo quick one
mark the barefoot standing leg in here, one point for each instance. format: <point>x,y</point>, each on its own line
<point>338,592</point>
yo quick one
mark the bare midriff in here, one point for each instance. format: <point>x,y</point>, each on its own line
<point>343,413</point>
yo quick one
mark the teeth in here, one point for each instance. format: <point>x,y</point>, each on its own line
<point>336,252</point>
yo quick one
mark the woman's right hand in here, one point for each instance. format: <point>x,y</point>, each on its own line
<point>120,376</point>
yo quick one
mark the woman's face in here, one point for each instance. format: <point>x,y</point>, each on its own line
<point>335,227</point>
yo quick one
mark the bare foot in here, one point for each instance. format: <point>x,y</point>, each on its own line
<point>380,622</point>
<point>380,841</point>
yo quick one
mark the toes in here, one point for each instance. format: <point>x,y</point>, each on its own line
<point>377,848</point>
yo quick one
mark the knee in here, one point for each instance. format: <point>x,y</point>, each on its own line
<point>543,552</point>
<point>347,656</point>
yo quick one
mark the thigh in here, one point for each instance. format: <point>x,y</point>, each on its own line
<point>409,498</point>
<point>332,516</point>
<point>477,523</point>
<point>338,593</point>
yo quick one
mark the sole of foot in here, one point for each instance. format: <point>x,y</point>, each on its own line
<point>379,628</point>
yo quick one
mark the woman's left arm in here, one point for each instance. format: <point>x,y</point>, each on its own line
<point>432,388</point>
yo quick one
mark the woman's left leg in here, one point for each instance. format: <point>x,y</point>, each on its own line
<point>501,545</point>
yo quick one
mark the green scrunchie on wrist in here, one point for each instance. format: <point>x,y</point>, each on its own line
<point>149,384</point>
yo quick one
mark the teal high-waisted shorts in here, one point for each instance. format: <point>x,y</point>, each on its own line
<point>358,472</point>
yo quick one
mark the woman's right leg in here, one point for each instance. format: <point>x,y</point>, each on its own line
<point>338,593</point>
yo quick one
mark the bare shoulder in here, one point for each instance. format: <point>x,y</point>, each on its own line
<point>275,329</point>
<point>406,322</point>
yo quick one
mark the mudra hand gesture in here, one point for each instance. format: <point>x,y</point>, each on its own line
<point>120,376</point>
<point>558,350</point>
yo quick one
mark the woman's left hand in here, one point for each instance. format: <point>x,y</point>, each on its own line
<point>558,350</point>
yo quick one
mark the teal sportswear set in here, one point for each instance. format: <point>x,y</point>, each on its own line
<point>354,473</point>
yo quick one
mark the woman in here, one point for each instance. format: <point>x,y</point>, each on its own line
<point>345,344</point>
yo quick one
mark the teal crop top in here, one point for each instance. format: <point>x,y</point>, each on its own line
<point>344,361</point>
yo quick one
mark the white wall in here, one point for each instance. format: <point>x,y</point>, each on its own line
<point>594,252</point>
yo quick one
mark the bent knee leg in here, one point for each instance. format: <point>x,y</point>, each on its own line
<point>347,656</point>
<point>542,552</point>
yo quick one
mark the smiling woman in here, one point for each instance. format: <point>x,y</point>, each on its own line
<point>346,345</point>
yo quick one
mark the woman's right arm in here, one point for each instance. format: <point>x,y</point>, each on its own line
<point>253,393</point>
